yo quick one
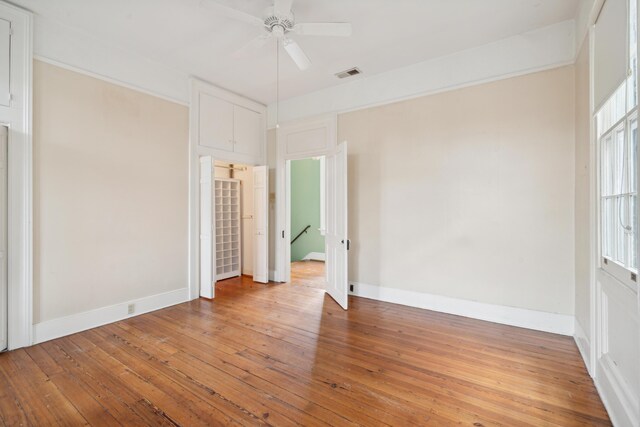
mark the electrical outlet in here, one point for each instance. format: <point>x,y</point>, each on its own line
<point>351,288</point>
<point>131,308</point>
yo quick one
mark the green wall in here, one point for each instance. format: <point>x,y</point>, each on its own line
<point>305,207</point>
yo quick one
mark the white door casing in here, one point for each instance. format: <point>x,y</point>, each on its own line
<point>17,117</point>
<point>297,140</point>
<point>207,205</point>
<point>3,237</point>
<point>261,224</point>
<point>213,141</point>
<point>336,237</point>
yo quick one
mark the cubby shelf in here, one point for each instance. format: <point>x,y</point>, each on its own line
<point>227,224</point>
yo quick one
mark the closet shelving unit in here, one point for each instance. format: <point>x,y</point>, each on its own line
<point>227,217</point>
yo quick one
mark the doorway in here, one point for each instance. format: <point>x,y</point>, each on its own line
<point>307,215</point>
<point>304,139</point>
<point>233,223</point>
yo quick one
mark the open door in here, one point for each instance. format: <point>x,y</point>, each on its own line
<point>261,224</point>
<point>207,286</point>
<point>336,241</point>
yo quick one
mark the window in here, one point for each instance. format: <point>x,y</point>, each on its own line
<point>617,129</point>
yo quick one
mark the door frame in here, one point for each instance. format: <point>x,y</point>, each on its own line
<point>196,151</point>
<point>284,153</point>
<point>17,117</point>
<point>194,246</point>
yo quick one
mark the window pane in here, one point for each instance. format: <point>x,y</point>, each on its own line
<point>634,235</point>
<point>606,167</point>
<point>632,158</point>
<point>607,221</point>
<point>619,231</point>
<point>632,94</point>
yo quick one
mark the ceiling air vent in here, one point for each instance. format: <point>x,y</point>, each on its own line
<point>348,73</point>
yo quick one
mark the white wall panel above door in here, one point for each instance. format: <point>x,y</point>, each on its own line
<point>248,131</point>
<point>227,126</point>
<point>216,123</point>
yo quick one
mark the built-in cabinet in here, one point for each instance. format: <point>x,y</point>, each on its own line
<point>228,238</point>
<point>228,126</point>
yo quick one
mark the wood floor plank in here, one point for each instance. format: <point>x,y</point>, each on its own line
<point>287,355</point>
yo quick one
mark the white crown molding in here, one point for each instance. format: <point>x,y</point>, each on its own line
<point>72,49</point>
<point>68,325</point>
<point>108,79</point>
<point>538,50</point>
<point>562,324</point>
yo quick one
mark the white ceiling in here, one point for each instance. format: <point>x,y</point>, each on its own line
<point>187,36</point>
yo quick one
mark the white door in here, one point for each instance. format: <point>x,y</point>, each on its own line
<point>3,237</point>
<point>261,224</point>
<point>336,241</point>
<point>207,205</point>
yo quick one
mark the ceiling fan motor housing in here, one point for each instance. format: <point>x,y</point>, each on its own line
<point>279,25</point>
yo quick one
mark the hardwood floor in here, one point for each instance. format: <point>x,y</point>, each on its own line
<point>285,354</point>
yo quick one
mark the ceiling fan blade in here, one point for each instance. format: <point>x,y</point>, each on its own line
<point>254,44</point>
<point>338,29</point>
<point>232,13</point>
<point>282,7</point>
<point>297,54</point>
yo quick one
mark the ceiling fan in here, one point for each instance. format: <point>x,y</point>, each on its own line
<point>279,23</point>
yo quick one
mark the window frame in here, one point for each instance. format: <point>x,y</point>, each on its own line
<point>628,276</point>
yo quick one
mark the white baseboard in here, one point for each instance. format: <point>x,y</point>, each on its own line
<point>618,398</point>
<point>584,346</point>
<point>314,256</point>
<point>68,325</point>
<point>538,320</point>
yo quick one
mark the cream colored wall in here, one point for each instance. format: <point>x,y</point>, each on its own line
<point>468,193</point>
<point>582,185</point>
<point>110,193</point>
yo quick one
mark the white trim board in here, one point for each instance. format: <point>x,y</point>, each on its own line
<point>20,184</point>
<point>531,319</point>
<point>538,50</point>
<point>314,256</point>
<point>584,346</point>
<point>79,322</point>
<point>616,396</point>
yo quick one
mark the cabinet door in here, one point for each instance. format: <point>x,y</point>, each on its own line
<point>216,123</point>
<point>248,131</point>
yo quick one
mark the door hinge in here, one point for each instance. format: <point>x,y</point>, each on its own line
<point>283,234</point>
<point>348,243</point>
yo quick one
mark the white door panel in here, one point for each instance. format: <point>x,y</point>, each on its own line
<point>207,205</point>
<point>248,132</point>
<point>261,224</point>
<point>336,238</point>
<point>216,123</point>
